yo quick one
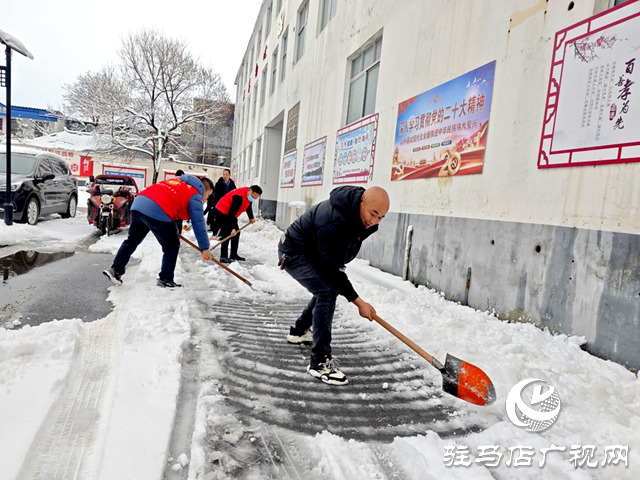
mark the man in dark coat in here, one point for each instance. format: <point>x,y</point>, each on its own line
<point>223,186</point>
<point>314,250</point>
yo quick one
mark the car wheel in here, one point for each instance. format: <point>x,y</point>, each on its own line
<point>31,211</point>
<point>72,207</point>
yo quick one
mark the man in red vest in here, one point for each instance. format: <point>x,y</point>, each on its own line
<point>155,209</point>
<point>229,208</point>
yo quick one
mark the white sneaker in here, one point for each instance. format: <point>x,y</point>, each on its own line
<point>328,373</point>
<point>306,337</point>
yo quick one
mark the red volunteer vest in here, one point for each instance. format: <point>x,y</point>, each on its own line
<point>224,204</point>
<point>172,196</point>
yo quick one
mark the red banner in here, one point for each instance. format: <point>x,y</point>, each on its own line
<point>86,166</point>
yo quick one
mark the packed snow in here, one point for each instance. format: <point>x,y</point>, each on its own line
<point>152,326</point>
<point>49,234</point>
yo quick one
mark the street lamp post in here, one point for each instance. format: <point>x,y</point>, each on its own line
<point>10,43</point>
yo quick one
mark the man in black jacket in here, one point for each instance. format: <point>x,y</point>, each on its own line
<point>314,250</point>
<point>223,186</point>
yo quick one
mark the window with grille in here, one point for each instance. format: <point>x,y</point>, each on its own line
<point>291,139</point>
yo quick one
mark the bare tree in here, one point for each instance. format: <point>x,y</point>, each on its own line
<point>144,102</point>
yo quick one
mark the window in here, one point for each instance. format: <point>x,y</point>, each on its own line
<point>279,6</point>
<point>250,163</point>
<point>283,61</point>
<point>364,82</point>
<point>291,139</point>
<point>274,71</point>
<point>328,11</point>
<point>303,16</point>
<point>269,15</point>
<point>259,45</point>
<point>258,153</point>
<point>43,168</point>
<point>264,86</point>
<point>59,168</point>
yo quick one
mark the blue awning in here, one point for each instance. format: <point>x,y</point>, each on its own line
<point>38,114</point>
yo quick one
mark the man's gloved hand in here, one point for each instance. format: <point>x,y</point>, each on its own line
<point>206,254</point>
<point>365,309</point>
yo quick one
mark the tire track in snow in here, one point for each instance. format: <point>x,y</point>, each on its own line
<point>65,445</point>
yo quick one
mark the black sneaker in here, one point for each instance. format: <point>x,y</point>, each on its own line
<point>328,373</point>
<point>296,338</point>
<point>237,258</point>
<point>163,284</point>
<point>113,276</point>
<point>225,260</point>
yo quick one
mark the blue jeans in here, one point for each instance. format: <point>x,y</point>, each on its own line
<point>165,232</point>
<point>319,312</point>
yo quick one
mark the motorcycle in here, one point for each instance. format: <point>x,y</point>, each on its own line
<point>109,207</point>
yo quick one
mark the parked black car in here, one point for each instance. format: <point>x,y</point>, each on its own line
<point>41,184</point>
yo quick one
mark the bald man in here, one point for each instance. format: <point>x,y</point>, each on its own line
<point>314,250</point>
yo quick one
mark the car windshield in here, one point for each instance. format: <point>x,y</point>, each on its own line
<point>20,164</point>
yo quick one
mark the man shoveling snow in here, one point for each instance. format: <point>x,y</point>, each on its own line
<point>314,250</point>
<point>155,209</point>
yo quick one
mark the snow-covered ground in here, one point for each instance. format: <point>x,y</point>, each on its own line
<point>51,233</point>
<point>111,386</point>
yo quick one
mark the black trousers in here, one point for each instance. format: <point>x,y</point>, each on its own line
<point>166,234</point>
<point>319,312</point>
<point>227,224</point>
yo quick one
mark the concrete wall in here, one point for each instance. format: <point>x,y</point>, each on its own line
<point>586,220</point>
<point>571,280</point>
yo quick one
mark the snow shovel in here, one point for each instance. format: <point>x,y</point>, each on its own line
<point>230,236</point>
<point>459,378</point>
<point>239,277</point>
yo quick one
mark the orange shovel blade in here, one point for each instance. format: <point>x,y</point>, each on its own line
<point>467,382</point>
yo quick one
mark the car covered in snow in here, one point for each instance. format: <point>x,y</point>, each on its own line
<point>41,184</point>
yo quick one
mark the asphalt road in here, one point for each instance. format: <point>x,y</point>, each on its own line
<point>45,286</point>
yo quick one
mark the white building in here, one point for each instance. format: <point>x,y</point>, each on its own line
<point>555,246</point>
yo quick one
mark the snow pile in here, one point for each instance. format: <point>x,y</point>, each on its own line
<point>52,233</point>
<point>34,362</point>
<point>75,141</point>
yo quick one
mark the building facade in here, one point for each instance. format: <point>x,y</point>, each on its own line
<point>372,92</point>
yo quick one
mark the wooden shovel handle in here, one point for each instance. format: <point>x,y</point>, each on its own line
<point>225,239</point>
<point>220,264</point>
<point>411,344</point>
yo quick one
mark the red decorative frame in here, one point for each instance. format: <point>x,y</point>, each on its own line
<point>565,158</point>
<point>363,122</point>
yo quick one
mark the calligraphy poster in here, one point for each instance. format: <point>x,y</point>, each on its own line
<point>443,131</point>
<point>355,151</point>
<point>313,162</point>
<point>592,115</point>
<point>288,176</point>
